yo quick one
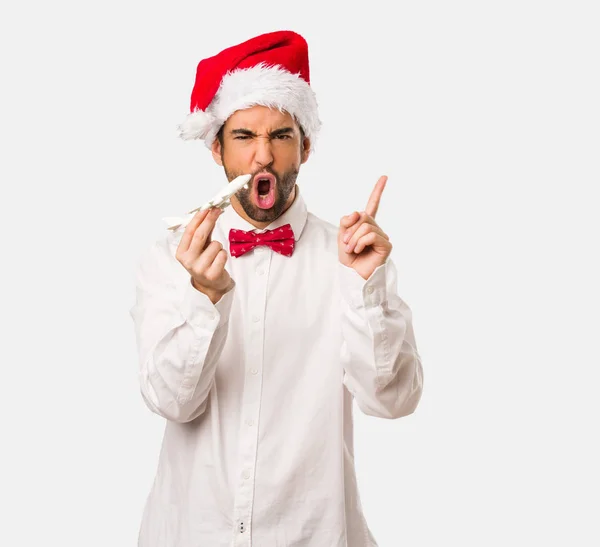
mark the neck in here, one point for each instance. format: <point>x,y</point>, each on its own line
<point>261,225</point>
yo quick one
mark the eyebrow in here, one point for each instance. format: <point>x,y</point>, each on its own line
<point>274,133</point>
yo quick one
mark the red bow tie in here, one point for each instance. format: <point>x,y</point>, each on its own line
<point>279,239</point>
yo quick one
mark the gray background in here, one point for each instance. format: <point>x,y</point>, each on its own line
<point>485,117</point>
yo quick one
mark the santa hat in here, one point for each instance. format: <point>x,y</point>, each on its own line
<point>270,70</point>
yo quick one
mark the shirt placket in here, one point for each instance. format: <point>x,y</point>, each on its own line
<point>260,259</point>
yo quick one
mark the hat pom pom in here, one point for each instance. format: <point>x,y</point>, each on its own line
<point>196,125</point>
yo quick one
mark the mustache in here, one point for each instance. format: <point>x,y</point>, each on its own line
<point>266,170</point>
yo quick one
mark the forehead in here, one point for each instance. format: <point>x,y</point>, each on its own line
<point>259,118</point>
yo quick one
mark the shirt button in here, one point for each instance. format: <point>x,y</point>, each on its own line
<point>253,371</point>
<point>259,272</point>
<point>250,422</point>
<point>369,290</point>
<point>255,318</point>
<point>246,474</point>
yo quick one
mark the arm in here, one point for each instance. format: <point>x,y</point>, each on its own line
<point>180,335</point>
<point>382,367</point>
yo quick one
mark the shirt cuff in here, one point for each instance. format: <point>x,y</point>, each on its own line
<point>198,309</point>
<point>360,292</point>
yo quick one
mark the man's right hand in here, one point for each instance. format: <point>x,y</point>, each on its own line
<point>205,259</point>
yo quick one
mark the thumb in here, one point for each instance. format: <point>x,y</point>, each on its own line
<point>349,220</point>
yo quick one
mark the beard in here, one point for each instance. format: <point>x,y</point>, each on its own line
<point>284,186</point>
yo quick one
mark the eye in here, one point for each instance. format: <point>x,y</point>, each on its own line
<point>241,138</point>
<point>283,137</point>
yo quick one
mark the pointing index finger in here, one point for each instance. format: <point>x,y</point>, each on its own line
<point>375,197</point>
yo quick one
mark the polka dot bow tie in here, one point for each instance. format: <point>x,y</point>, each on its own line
<point>279,239</point>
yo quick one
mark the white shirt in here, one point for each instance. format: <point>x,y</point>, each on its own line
<point>257,390</point>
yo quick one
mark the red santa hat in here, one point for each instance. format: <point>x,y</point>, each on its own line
<point>270,70</point>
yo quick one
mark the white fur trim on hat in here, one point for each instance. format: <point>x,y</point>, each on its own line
<point>270,86</point>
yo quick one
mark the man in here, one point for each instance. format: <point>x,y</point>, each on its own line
<point>258,327</point>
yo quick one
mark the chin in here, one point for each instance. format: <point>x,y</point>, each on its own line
<point>262,215</point>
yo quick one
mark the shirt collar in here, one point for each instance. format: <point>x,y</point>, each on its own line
<point>295,215</point>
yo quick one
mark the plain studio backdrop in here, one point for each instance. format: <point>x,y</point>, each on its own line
<point>485,117</point>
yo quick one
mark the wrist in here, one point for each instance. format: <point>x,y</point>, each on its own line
<point>213,294</point>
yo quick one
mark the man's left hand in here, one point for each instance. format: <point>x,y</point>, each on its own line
<point>362,244</point>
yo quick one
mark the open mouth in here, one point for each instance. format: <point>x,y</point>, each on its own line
<point>264,190</point>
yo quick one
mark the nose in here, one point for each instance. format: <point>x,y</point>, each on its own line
<point>263,154</point>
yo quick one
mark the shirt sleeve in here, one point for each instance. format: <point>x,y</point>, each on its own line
<point>180,335</point>
<point>382,366</point>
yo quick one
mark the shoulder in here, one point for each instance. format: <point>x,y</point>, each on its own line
<point>320,227</point>
<point>321,234</point>
<point>158,258</point>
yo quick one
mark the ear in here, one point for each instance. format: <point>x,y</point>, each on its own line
<point>216,152</point>
<point>305,149</point>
